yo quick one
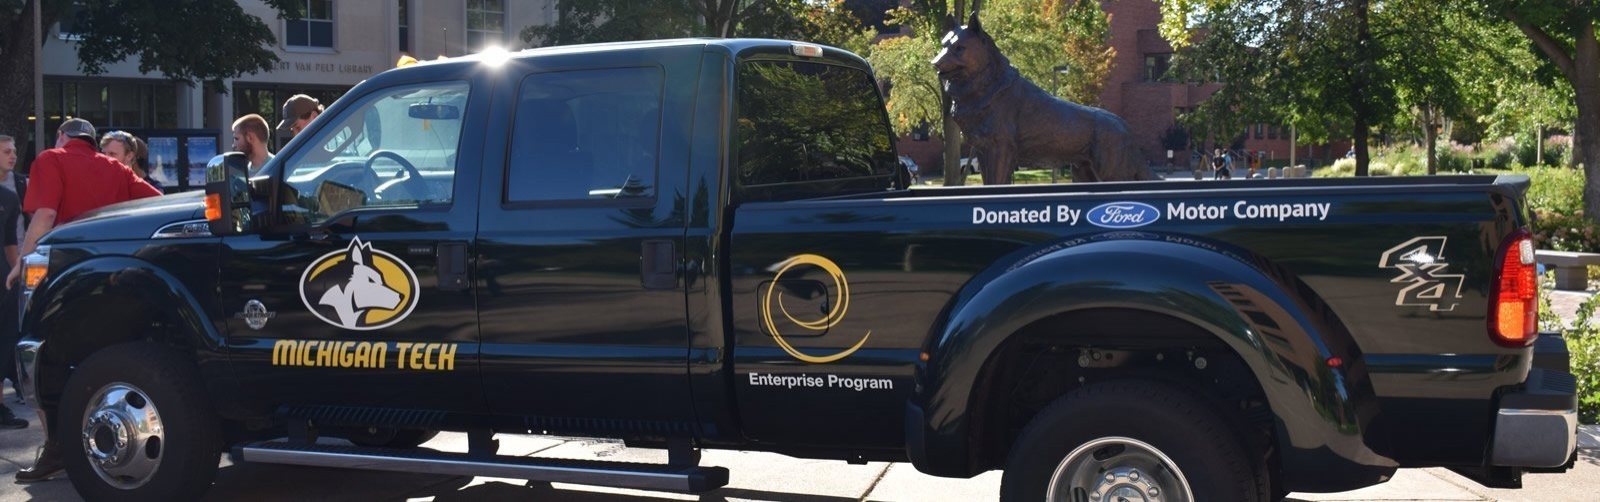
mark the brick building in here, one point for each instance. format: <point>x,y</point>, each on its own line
<point>1138,91</point>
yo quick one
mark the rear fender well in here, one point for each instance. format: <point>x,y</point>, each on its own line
<point>1222,294</point>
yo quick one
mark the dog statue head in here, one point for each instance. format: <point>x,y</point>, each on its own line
<point>966,50</point>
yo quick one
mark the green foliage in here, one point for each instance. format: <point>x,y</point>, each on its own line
<point>1386,161</point>
<point>229,43</point>
<point>1299,62</point>
<point>1038,36</point>
<point>1583,342</point>
<point>594,21</point>
<point>913,97</point>
<point>795,124</point>
<point>1556,199</point>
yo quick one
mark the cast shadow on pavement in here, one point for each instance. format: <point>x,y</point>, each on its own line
<point>496,491</point>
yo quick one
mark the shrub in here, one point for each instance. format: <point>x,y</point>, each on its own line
<point>1583,342</point>
<point>1344,167</point>
<point>1454,161</point>
<point>1556,200</point>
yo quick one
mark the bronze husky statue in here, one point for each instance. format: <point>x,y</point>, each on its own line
<point>1010,121</point>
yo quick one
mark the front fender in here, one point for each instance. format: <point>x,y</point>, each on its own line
<point>102,301</point>
<point>1315,407</point>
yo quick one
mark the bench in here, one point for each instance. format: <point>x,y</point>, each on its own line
<point>1572,269</point>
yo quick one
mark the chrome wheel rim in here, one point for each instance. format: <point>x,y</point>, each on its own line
<point>123,437</point>
<point>1118,469</point>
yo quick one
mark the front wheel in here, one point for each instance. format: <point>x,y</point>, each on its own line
<point>136,425</point>
<point>1134,441</point>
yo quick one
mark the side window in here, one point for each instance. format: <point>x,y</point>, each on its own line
<point>585,135</point>
<point>804,122</point>
<point>394,148</point>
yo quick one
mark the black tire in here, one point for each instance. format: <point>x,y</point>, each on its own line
<point>1190,432</point>
<point>190,446</point>
<point>403,439</point>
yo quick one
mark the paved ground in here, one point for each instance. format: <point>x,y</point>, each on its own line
<point>755,476</point>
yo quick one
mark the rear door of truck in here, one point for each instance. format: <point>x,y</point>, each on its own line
<point>820,356</point>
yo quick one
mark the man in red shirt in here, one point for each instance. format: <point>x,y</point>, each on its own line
<point>67,181</point>
<point>73,178</point>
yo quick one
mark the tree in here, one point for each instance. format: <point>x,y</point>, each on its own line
<point>1314,64</point>
<point>229,43</point>
<point>905,63</point>
<point>593,21</point>
<point>1563,33</point>
<point>1060,45</point>
<point>1452,63</point>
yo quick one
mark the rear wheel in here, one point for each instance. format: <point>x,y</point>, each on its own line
<point>1134,441</point>
<point>136,425</point>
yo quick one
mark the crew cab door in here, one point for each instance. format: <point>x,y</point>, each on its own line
<point>356,298</point>
<point>581,302</point>
<point>827,320</point>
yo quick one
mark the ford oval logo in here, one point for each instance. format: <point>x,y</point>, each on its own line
<point>1123,215</point>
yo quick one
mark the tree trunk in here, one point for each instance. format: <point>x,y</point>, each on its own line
<point>1358,86</point>
<point>1538,144</point>
<point>1586,88</point>
<point>16,82</point>
<point>954,175</point>
<point>1432,133</point>
<point>1586,133</point>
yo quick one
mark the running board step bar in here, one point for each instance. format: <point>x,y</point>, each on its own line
<point>585,472</point>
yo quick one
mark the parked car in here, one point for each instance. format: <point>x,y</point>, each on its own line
<point>705,243</point>
<point>911,167</point>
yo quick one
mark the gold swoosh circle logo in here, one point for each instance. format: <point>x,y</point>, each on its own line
<point>836,314</point>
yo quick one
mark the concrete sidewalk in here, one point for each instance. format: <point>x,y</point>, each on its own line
<point>755,476</point>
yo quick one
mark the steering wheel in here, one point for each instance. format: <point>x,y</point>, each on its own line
<point>413,181</point>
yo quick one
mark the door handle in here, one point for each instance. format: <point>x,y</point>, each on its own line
<point>452,266</point>
<point>658,265</point>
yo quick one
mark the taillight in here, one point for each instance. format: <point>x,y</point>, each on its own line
<point>1514,297</point>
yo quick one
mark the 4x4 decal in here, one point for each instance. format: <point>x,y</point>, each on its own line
<point>1421,263</point>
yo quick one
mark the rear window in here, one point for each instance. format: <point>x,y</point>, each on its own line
<point>809,129</point>
<point>589,135</point>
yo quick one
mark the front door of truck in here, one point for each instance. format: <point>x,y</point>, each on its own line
<point>356,297</point>
<point>581,302</point>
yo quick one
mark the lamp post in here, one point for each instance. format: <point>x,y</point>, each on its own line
<point>38,84</point>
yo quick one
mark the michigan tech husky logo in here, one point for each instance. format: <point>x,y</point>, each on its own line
<point>359,288</point>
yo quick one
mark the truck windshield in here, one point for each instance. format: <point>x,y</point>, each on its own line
<point>395,147</point>
<point>810,129</point>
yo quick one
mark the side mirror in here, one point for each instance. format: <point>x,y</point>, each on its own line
<point>228,210</point>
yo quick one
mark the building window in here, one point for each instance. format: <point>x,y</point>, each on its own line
<point>1272,132</point>
<point>67,27</point>
<point>405,26</point>
<point>267,99</point>
<point>486,23</point>
<point>1156,66</point>
<point>315,26</point>
<point>111,104</point>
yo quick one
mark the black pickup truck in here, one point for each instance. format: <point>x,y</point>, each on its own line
<point>709,244</point>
